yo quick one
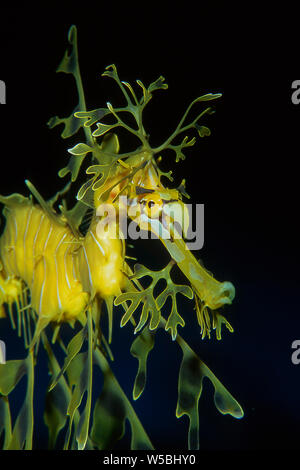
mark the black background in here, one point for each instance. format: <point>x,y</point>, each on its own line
<point>245,173</point>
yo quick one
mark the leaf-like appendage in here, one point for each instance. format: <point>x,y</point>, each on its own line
<point>166,174</point>
<point>21,437</point>
<point>218,320</point>
<point>205,323</point>
<point>183,127</point>
<point>73,349</point>
<point>190,383</point>
<point>178,148</point>
<point>55,414</point>
<point>56,404</point>
<point>111,411</point>
<point>80,149</point>
<point>108,417</point>
<point>79,378</point>
<point>80,374</point>
<point>202,130</point>
<point>159,84</point>
<point>107,155</point>
<point>90,117</point>
<point>111,71</point>
<point>149,307</point>
<point>103,128</point>
<point>72,124</point>
<point>73,167</point>
<point>69,64</point>
<point>5,420</point>
<point>101,174</point>
<point>10,374</point>
<point>209,96</point>
<point>174,318</point>
<point>74,216</point>
<point>151,304</point>
<point>140,349</point>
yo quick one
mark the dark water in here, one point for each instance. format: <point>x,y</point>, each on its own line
<point>245,173</point>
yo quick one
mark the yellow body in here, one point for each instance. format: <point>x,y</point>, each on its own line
<point>99,263</point>
<point>63,273</point>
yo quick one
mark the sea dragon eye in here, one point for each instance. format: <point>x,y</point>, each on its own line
<point>153,205</point>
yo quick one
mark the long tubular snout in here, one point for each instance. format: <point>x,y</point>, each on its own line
<point>212,292</point>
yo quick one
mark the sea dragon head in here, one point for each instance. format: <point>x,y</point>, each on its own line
<point>153,207</point>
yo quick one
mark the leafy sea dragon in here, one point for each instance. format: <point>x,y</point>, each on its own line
<point>53,272</point>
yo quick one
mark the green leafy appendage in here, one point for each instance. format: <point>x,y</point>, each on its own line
<point>152,306</point>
